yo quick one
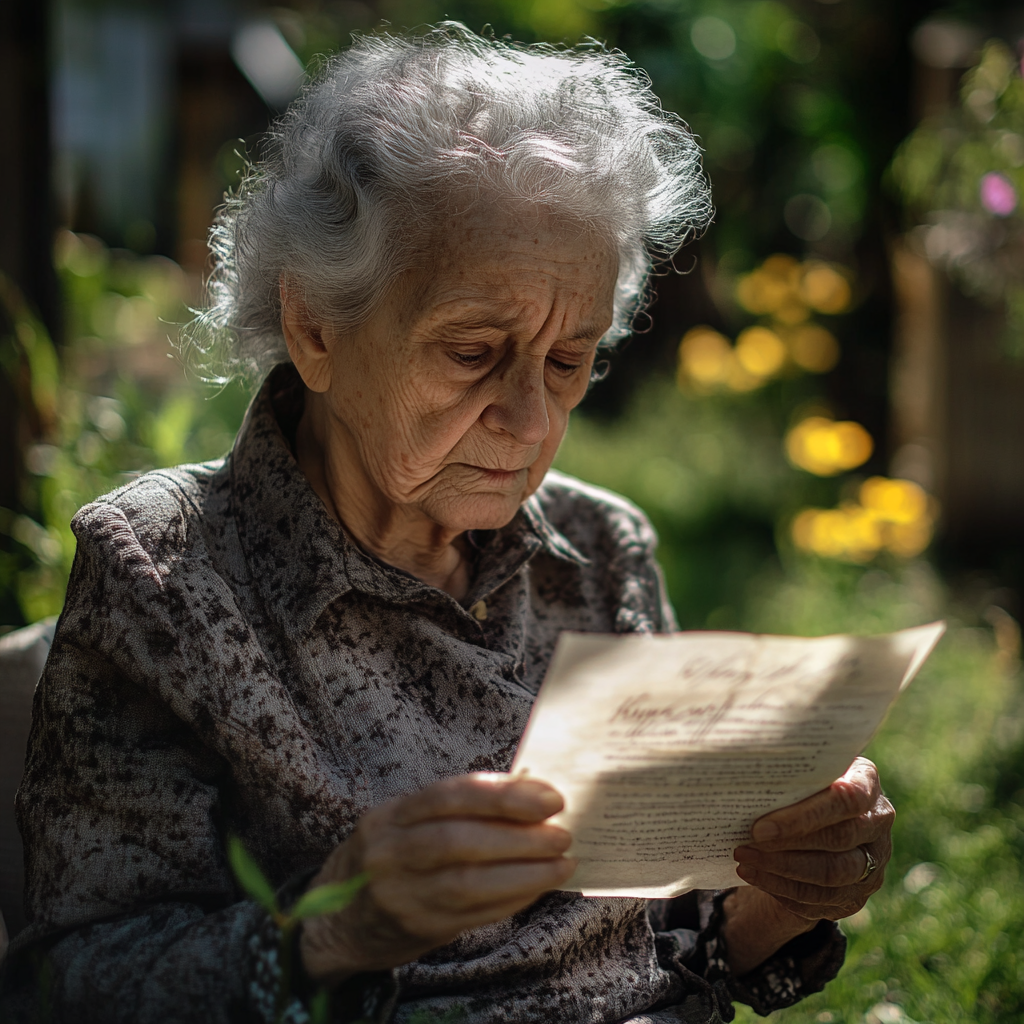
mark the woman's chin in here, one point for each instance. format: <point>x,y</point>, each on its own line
<point>487,511</point>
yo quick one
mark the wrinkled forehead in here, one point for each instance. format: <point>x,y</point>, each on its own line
<point>499,261</point>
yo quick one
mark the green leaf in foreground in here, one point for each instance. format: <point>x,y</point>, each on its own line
<point>320,1007</point>
<point>327,899</point>
<point>429,1015</point>
<point>250,877</point>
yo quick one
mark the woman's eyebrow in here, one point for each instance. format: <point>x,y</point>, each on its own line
<point>496,323</point>
<point>586,331</point>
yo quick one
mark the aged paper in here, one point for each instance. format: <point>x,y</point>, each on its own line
<point>668,748</point>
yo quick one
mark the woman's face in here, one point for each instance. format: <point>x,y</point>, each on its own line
<point>454,397</point>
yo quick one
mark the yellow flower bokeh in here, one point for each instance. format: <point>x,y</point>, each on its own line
<point>760,352</point>
<point>890,515</point>
<point>705,358</point>
<point>812,348</point>
<point>786,293</point>
<point>826,447</point>
<point>789,291</point>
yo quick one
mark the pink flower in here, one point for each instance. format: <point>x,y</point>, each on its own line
<point>998,195</point>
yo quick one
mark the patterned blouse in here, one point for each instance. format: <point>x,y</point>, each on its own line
<point>230,662</point>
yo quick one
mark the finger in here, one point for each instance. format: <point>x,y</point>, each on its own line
<point>477,886</point>
<point>850,796</point>
<point>472,888</point>
<point>873,826</point>
<point>829,870</point>
<point>433,844</point>
<point>444,926</point>
<point>816,911</point>
<point>806,892</point>
<point>482,795</point>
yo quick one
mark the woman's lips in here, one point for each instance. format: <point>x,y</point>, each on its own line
<point>500,477</point>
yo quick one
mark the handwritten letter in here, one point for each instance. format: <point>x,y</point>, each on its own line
<point>668,748</point>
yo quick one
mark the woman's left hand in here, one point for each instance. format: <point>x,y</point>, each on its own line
<point>812,857</point>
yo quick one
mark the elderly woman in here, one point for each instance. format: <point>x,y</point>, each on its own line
<point>327,644</point>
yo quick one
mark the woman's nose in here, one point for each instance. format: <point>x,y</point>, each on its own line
<point>520,406</point>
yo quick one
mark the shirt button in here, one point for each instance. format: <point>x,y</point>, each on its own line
<point>479,611</point>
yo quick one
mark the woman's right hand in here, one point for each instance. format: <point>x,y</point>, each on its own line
<point>461,853</point>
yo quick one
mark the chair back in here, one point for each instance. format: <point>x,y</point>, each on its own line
<point>22,656</point>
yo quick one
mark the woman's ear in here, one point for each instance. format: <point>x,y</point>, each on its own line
<point>304,339</point>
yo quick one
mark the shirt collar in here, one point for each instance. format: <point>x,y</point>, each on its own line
<point>303,560</point>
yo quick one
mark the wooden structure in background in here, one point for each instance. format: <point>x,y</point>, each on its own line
<point>957,398</point>
<point>957,405</point>
<point>214,106</point>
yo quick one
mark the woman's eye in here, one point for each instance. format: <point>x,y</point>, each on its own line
<point>469,358</point>
<point>564,368</point>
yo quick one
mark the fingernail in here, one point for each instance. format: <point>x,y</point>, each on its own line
<point>534,789</point>
<point>550,801</point>
<point>746,853</point>
<point>561,842</point>
<point>746,872</point>
<point>764,831</point>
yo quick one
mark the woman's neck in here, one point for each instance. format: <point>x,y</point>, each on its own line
<point>398,535</point>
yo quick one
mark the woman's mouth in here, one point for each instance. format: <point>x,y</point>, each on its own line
<point>500,477</point>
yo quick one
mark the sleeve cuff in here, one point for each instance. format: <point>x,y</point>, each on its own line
<point>803,966</point>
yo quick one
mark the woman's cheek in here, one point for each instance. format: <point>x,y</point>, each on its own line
<point>559,421</point>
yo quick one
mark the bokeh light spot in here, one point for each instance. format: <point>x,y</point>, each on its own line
<point>808,217</point>
<point>998,195</point>
<point>705,357</point>
<point>813,348</point>
<point>824,289</point>
<point>896,501</point>
<point>798,41</point>
<point>760,351</point>
<point>825,447</point>
<point>893,515</point>
<point>713,38</point>
<point>836,167</point>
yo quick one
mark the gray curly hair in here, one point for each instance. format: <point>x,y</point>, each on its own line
<point>395,135</point>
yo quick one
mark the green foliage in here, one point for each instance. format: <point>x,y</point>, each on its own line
<point>324,899</point>
<point>941,164</point>
<point>249,876</point>
<point>116,405</point>
<point>711,474</point>
<point>327,899</point>
<point>961,178</point>
<point>427,1016</point>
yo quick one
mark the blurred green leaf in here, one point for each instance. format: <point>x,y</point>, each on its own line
<point>327,899</point>
<point>320,1007</point>
<point>431,1016</point>
<point>249,876</point>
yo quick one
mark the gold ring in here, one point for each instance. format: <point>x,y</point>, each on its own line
<point>870,863</point>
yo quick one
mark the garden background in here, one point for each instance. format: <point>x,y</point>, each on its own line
<point>823,416</point>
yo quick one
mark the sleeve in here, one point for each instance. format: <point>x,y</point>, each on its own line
<point>641,596</point>
<point>689,937</point>
<point>134,914</point>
